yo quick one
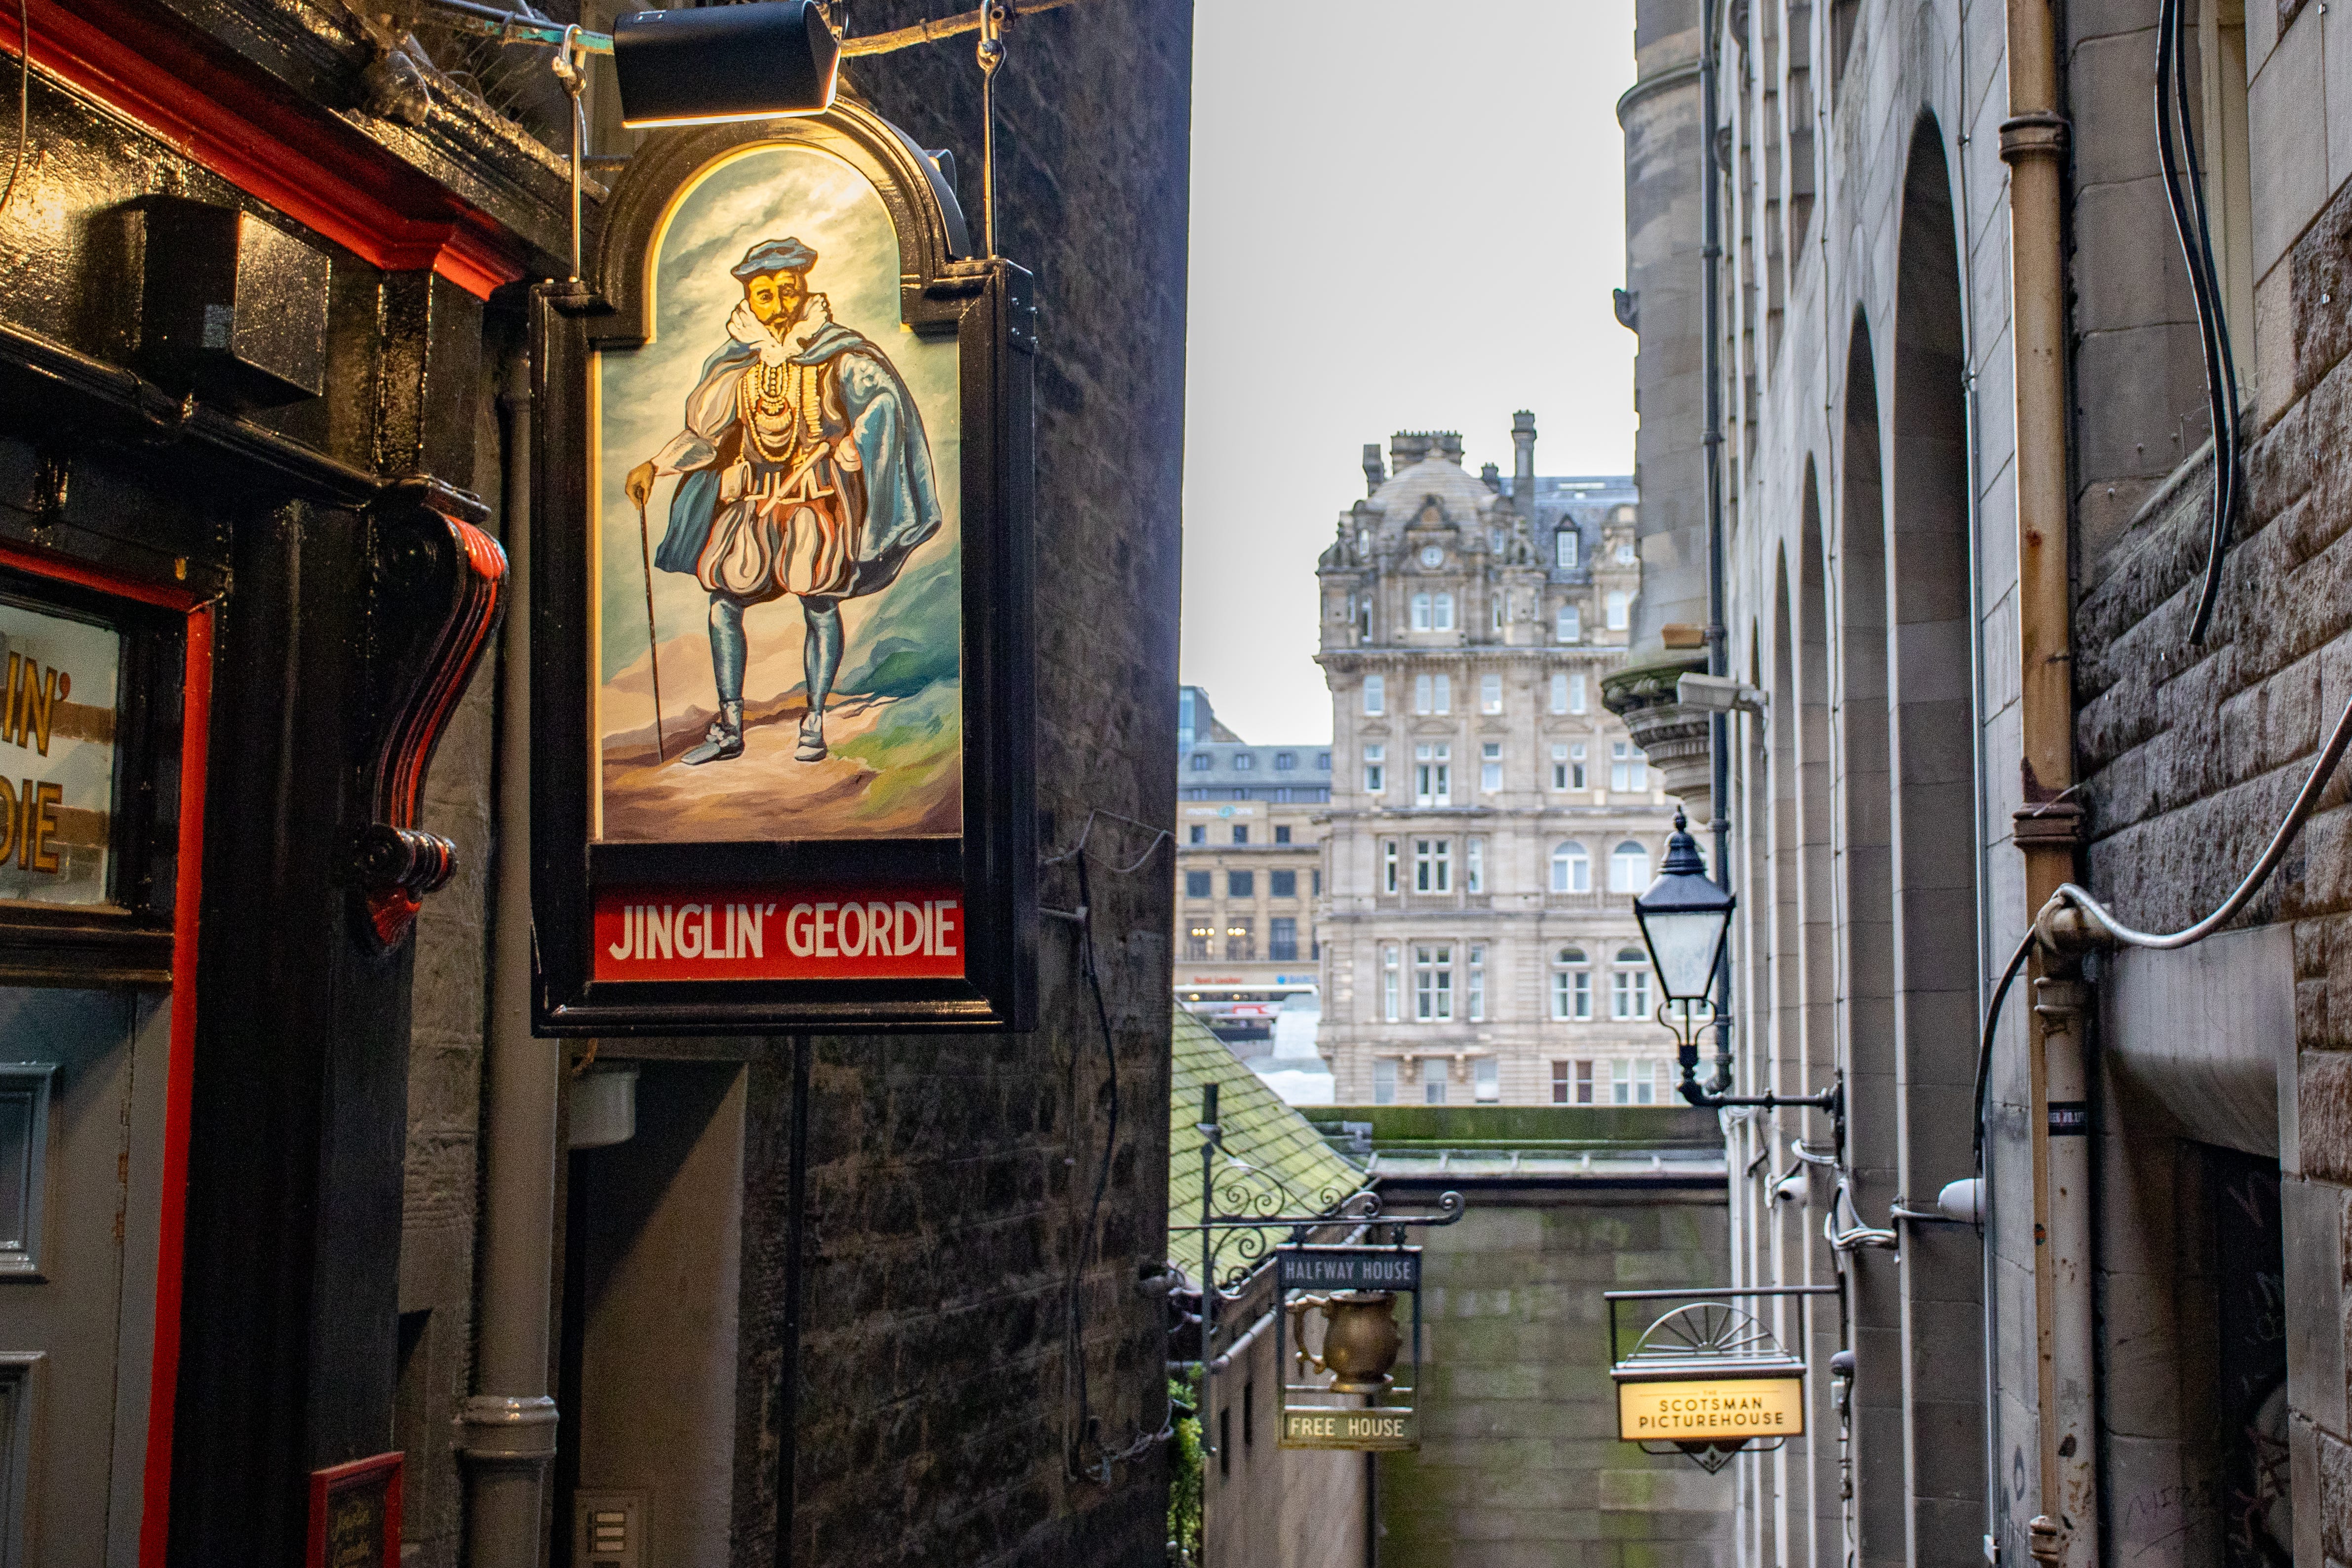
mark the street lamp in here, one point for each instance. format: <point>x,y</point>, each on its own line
<point>1684,918</point>
<point>705,64</point>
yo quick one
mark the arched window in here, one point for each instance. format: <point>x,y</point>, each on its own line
<point>1629,868</point>
<point>1571,869</point>
<point>1619,603</point>
<point>1421,611</point>
<point>1563,545</point>
<point>1629,985</point>
<point>1572,985</point>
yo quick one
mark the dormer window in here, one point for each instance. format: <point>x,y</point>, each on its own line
<point>1564,549</point>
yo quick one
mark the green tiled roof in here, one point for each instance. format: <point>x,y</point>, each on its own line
<point>1260,1131</point>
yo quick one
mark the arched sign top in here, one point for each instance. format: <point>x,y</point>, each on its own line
<point>937,273</point>
<point>783,745</point>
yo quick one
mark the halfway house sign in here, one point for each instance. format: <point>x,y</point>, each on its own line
<point>782,689</point>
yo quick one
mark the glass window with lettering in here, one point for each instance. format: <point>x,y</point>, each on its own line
<point>58,694</point>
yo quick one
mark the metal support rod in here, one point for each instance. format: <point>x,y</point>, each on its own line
<point>993,17</point>
<point>506,1429</point>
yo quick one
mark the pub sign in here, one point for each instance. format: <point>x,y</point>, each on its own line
<point>780,572</point>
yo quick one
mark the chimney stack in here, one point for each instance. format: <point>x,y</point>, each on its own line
<point>1493,476</point>
<point>1523,468</point>
<point>1406,447</point>
<point>1373,472</point>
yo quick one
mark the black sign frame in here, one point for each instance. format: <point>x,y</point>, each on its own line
<point>127,939</point>
<point>984,305</point>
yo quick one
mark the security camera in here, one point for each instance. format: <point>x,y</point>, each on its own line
<point>1962,1201</point>
<point>1718,694</point>
<point>1792,1188</point>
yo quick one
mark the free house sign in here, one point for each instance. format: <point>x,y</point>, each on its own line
<point>781,681</point>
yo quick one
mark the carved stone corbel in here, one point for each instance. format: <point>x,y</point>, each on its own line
<point>437,588</point>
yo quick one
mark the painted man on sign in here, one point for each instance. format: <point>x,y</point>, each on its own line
<point>802,469</point>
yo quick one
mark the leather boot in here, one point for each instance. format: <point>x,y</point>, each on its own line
<point>725,740</point>
<point>811,746</point>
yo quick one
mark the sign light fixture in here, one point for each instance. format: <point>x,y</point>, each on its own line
<point>716,63</point>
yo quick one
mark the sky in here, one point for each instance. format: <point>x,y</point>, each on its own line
<point>1404,217</point>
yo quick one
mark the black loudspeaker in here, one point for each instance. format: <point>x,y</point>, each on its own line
<point>724,62</point>
<point>230,308</point>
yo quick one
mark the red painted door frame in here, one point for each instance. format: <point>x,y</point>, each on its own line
<point>171,1247</point>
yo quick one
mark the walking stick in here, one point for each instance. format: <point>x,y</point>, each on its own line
<point>653,637</point>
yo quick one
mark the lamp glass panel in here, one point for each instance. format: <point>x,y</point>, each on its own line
<point>1682,945</point>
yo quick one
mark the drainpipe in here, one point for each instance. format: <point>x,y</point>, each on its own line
<point>2048,829</point>
<point>1718,661</point>
<point>506,1429</point>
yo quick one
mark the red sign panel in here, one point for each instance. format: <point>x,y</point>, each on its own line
<point>778,933</point>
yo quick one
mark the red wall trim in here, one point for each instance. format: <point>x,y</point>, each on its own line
<point>295,157</point>
<point>171,1248</point>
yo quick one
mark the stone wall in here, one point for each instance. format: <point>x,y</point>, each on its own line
<point>950,1178</point>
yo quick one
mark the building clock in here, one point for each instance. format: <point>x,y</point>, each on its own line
<point>1431,556</point>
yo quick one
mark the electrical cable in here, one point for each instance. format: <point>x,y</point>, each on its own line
<point>1100,1470</point>
<point>2192,225</point>
<point>2105,925</point>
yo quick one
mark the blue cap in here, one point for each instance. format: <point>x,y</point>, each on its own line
<point>774,256</point>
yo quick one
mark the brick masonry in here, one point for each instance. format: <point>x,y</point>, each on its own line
<point>949,1178</point>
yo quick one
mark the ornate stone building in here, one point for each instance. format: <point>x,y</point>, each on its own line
<point>1249,869</point>
<point>1488,818</point>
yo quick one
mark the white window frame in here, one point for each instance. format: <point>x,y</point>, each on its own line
<point>1629,868</point>
<point>1375,770</point>
<point>1571,868</point>
<point>1434,1071</point>
<point>1375,694</point>
<point>1443,621</point>
<point>1486,1079</point>
<point>1421,611</point>
<point>1559,691</point>
<point>1384,1081</point>
<point>1433,774</point>
<point>1432,982</point>
<point>1564,548</point>
<point>1500,606</point>
<point>1432,865</point>
<point>1568,625</point>
<point>1387,865</point>
<point>1620,607</point>
<point>1474,865</point>
<point>1578,696</point>
<point>1392,984</point>
<point>1576,765</point>
<point>1424,692</point>
<point>1628,770</point>
<point>1629,986</point>
<point>1559,766</point>
<point>1444,694</point>
<point>1490,693</point>
<point>1572,986</point>
<point>1490,765</point>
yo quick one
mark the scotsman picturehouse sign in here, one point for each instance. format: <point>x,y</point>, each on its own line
<point>782,667</point>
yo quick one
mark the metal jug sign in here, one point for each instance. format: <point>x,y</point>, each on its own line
<point>1361,1340</point>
